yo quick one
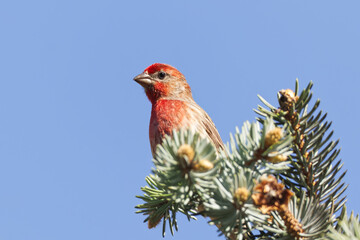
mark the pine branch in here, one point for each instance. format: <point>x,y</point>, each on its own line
<point>348,228</point>
<point>159,205</point>
<point>314,167</point>
<point>278,178</point>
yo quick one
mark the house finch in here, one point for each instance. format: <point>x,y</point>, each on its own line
<point>173,106</point>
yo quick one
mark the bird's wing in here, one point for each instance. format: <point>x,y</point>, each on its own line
<point>206,126</point>
<point>212,131</point>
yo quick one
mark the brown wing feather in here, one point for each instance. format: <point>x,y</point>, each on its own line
<point>212,131</point>
<point>205,125</point>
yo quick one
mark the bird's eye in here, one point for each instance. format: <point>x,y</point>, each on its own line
<point>161,75</point>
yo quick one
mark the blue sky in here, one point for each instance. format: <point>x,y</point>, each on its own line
<point>74,147</point>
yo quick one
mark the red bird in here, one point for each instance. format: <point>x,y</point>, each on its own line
<point>173,106</point>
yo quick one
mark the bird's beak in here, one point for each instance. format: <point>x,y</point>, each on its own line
<point>143,79</point>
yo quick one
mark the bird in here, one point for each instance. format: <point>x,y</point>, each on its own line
<point>173,107</point>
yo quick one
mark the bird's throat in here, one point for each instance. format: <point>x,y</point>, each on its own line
<point>156,91</point>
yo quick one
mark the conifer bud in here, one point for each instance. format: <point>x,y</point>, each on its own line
<point>269,195</point>
<point>203,165</point>
<point>273,136</point>
<point>277,158</point>
<point>241,195</point>
<point>287,99</point>
<point>186,150</point>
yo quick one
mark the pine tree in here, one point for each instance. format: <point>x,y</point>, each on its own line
<point>279,177</point>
